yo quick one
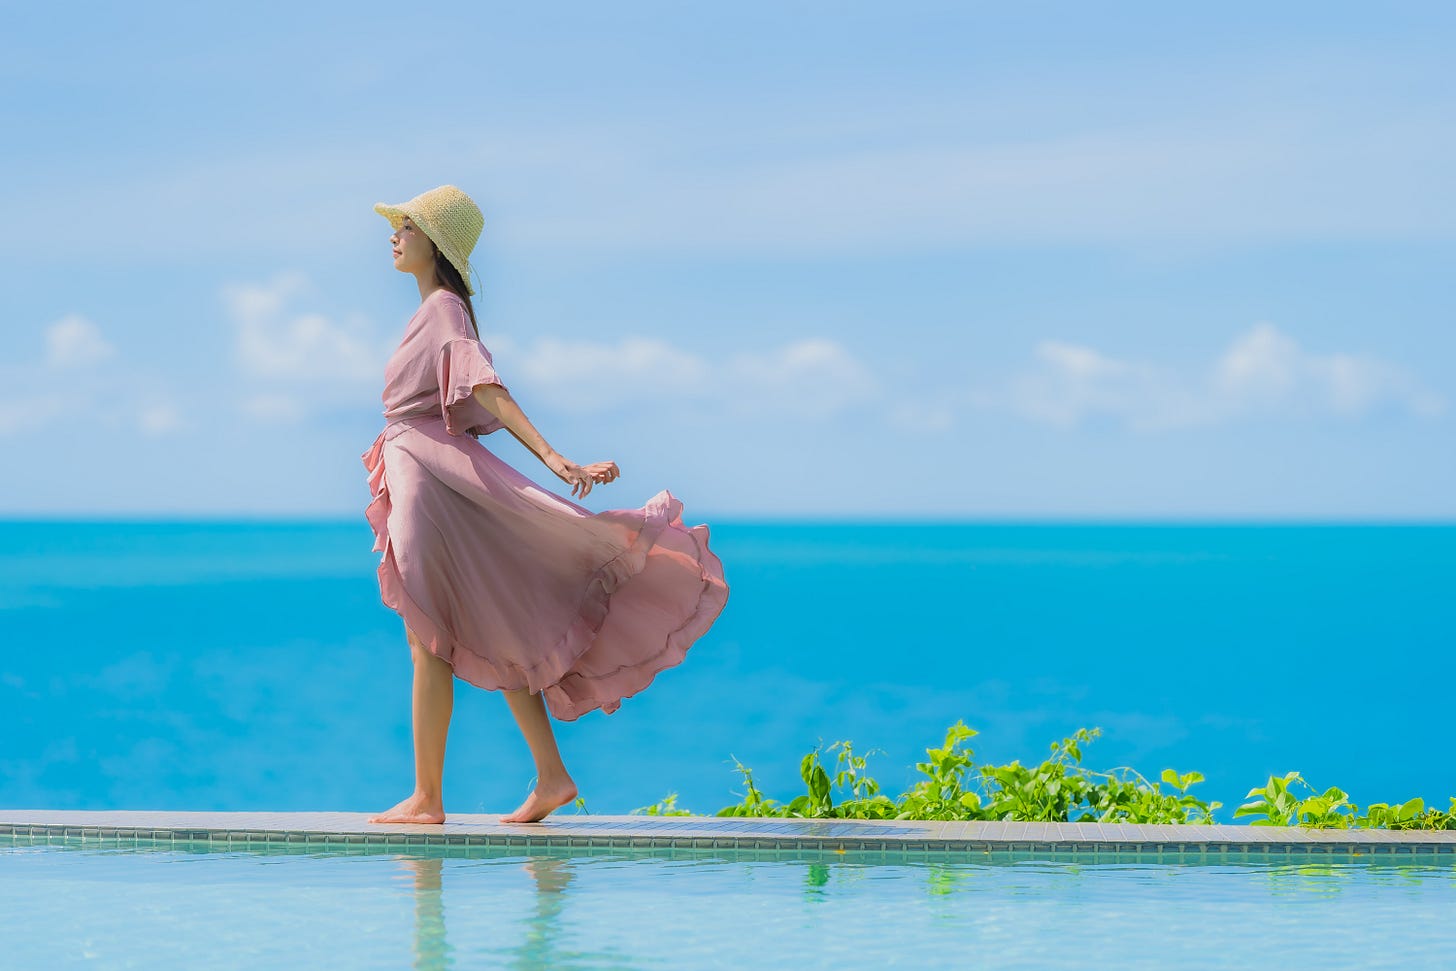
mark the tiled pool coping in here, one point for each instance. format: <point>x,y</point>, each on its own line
<point>738,833</point>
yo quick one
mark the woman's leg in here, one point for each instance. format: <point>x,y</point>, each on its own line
<point>434,700</point>
<point>553,785</point>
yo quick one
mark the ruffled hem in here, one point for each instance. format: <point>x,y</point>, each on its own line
<point>605,691</point>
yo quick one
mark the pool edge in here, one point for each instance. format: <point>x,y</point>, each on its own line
<point>1189,842</point>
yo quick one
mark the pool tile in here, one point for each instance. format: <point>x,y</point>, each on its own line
<point>707,833</point>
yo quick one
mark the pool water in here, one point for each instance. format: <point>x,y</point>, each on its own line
<point>129,904</point>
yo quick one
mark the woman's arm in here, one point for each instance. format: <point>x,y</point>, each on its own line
<point>498,401</point>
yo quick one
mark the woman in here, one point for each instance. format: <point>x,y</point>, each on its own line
<point>500,582</point>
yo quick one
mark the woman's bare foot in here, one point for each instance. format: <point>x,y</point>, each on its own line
<point>542,801</point>
<point>416,809</point>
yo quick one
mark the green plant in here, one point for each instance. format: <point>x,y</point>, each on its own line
<point>667,806</point>
<point>1059,789</point>
<point>1042,793</point>
<point>1279,805</point>
<point>753,804</point>
<point>1124,796</point>
<point>942,794</point>
<point>1409,815</point>
<point>865,801</point>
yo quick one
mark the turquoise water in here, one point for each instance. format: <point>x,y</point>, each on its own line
<point>250,665</point>
<point>165,907</point>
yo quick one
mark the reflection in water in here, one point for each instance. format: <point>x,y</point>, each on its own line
<point>543,930</point>
<point>539,945</point>
<point>432,949</point>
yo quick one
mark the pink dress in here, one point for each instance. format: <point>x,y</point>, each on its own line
<point>514,585</point>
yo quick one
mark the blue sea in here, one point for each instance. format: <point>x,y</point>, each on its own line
<point>250,665</point>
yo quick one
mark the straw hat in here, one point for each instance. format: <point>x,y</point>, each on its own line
<point>449,217</point>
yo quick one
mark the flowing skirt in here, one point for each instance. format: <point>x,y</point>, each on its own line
<point>518,587</point>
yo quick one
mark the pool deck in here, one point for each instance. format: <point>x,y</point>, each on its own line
<point>737,833</point>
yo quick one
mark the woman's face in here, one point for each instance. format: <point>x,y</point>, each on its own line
<point>413,250</point>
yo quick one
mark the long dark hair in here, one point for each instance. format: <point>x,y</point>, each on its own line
<point>446,273</point>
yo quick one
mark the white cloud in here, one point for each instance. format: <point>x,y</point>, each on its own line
<point>74,342</point>
<point>1261,364</point>
<point>1263,372</point>
<point>1265,367</point>
<point>293,360</point>
<point>586,376</point>
<point>812,378</point>
<point>161,418</point>
<point>1073,382</point>
<point>273,340</point>
<point>815,378</point>
<point>117,396</point>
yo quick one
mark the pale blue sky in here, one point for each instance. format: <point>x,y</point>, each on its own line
<point>962,260</point>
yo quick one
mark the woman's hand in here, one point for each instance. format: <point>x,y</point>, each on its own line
<point>582,477</point>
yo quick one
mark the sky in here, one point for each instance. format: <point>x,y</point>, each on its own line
<point>790,260</point>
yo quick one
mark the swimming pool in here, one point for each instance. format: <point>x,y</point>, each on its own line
<point>130,903</point>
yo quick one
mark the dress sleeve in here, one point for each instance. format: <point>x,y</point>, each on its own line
<point>465,362</point>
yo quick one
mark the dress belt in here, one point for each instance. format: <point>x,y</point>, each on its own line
<point>397,425</point>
